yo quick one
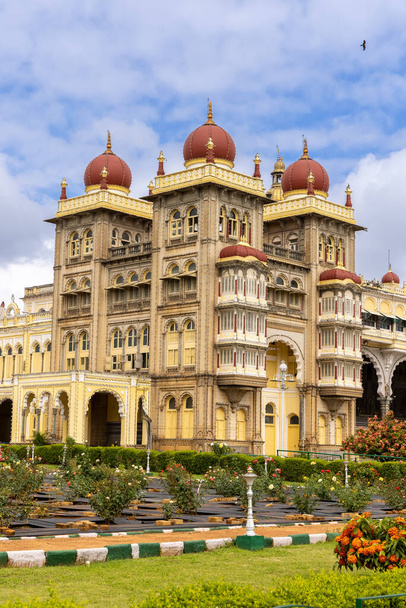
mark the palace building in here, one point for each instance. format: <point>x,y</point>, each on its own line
<point>210,309</point>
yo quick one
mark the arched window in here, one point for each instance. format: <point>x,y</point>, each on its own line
<point>269,414</point>
<point>339,431</point>
<point>294,284</point>
<point>222,220</point>
<point>37,348</point>
<point>70,352</point>
<point>189,352</point>
<point>280,281</point>
<point>277,241</point>
<point>20,350</point>
<point>134,278</point>
<point>144,347</point>
<point>9,351</point>
<point>84,351</point>
<point>117,339</point>
<point>74,245</point>
<point>125,239</point>
<point>147,276</point>
<point>132,338</point>
<point>233,223</point>
<point>72,286</point>
<point>114,237</point>
<point>293,241</point>
<point>171,418</point>
<point>138,238</point>
<point>294,420</point>
<point>174,269</point>
<point>187,415</point>
<point>192,221</point>
<point>119,280</point>
<point>191,281</point>
<point>89,241</point>
<point>49,347</point>
<point>244,226</point>
<point>241,425</point>
<point>330,249</point>
<point>176,225</point>
<point>340,253</point>
<point>321,247</point>
<point>172,345</point>
<point>86,284</point>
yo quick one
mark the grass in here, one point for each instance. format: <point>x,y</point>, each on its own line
<point>127,582</point>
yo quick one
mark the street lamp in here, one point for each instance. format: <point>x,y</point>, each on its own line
<point>283,377</point>
<point>250,540</point>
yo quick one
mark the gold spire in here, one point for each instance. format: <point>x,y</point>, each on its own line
<point>209,114</point>
<point>64,183</point>
<point>161,157</point>
<point>305,149</point>
<point>151,187</point>
<point>257,160</point>
<point>108,149</point>
<point>348,190</point>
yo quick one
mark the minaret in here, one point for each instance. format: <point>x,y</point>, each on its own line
<point>275,192</point>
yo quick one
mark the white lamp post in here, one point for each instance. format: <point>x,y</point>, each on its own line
<point>282,377</point>
<point>250,477</point>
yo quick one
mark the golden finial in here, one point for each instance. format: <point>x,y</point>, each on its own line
<point>348,190</point>
<point>151,187</point>
<point>161,157</point>
<point>104,173</point>
<point>209,114</point>
<point>210,144</point>
<point>348,202</point>
<point>310,177</point>
<point>257,160</point>
<point>279,157</point>
<point>108,149</point>
<point>305,149</point>
<point>64,183</point>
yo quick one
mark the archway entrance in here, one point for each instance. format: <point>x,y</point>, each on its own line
<point>6,407</point>
<point>368,404</point>
<point>104,422</point>
<point>398,404</point>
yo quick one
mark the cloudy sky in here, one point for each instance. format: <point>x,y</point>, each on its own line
<point>274,69</point>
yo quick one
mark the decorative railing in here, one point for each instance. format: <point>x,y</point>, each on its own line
<point>129,250</point>
<point>101,198</point>
<point>208,173</point>
<point>283,252</point>
<point>308,204</point>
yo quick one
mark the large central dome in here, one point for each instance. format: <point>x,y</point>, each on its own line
<point>194,149</point>
<point>295,176</point>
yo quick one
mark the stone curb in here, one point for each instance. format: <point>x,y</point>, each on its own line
<point>166,531</point>
<point>30,559</point>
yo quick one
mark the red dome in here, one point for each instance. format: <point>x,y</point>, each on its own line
<point>195,144</point>
<point>243,251</point>
<point>118,172</point>
<point>295,176</point>
<point>339,274</point>
<point>390,277</point>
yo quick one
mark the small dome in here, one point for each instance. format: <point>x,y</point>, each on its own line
<point>279,166</point>
<point>295,176</point>
<point>390,277</point>
<point>339,274</point>
<point>118,172</point>
<point>194,148</point>
<point>242,250</point>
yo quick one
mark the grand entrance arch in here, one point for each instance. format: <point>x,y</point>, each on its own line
<point>398,404</point>
<point>6,407</point>
<point>368,405</point>
<point>104,419</point>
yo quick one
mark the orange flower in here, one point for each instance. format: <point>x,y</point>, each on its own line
<point>342,562</point>
<point>338,539</point>
<point>345,541</point>
<point>402,563</point>
<point>356,543</point>
<point>352,559</point>
<point>367,514</point>
<point>393,559</point>
<point>400,520</point>
<point>382,558</point>
<point>359,534</point>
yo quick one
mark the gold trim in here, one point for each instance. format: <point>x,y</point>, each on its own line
<point>202,160</point>
<point>305,205</point>
<point>109,187</point>
<point>106,199</point>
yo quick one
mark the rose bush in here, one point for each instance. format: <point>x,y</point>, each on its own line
<point>114,493</point>
<point>382,437</point>
<point>187,491</point>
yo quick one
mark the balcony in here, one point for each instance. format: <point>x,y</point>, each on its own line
<point>283,252</point>
<point>131,250</point>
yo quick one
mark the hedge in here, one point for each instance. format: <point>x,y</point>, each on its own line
<point>292,469</point>
<point>327,589</point>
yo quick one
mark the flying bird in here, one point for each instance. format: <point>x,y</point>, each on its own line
<point>364,45</point>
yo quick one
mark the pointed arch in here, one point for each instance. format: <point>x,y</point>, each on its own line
<point>296,351</point>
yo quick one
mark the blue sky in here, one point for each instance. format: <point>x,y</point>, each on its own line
<point>275,70</point>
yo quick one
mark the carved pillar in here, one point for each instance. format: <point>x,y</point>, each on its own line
<point>302,415</point>
<point>385,403</point>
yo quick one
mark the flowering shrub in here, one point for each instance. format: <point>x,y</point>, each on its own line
<point>374,545</point>
<point>323,484</point>
<point>80,477</point>
<point>187,492</point>
<point>304,498</point>
<point>274,486</point>
<point>220,449</point>
<point>355,496</point>
<point>393,491</point>
<point>224,481</point>
<point>18,481</point>
<point>114,493</point>
<point>386,436</point>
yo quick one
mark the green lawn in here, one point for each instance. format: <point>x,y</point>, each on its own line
<point>122,583</point>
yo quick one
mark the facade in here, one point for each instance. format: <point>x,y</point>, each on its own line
<point>181,308</point>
